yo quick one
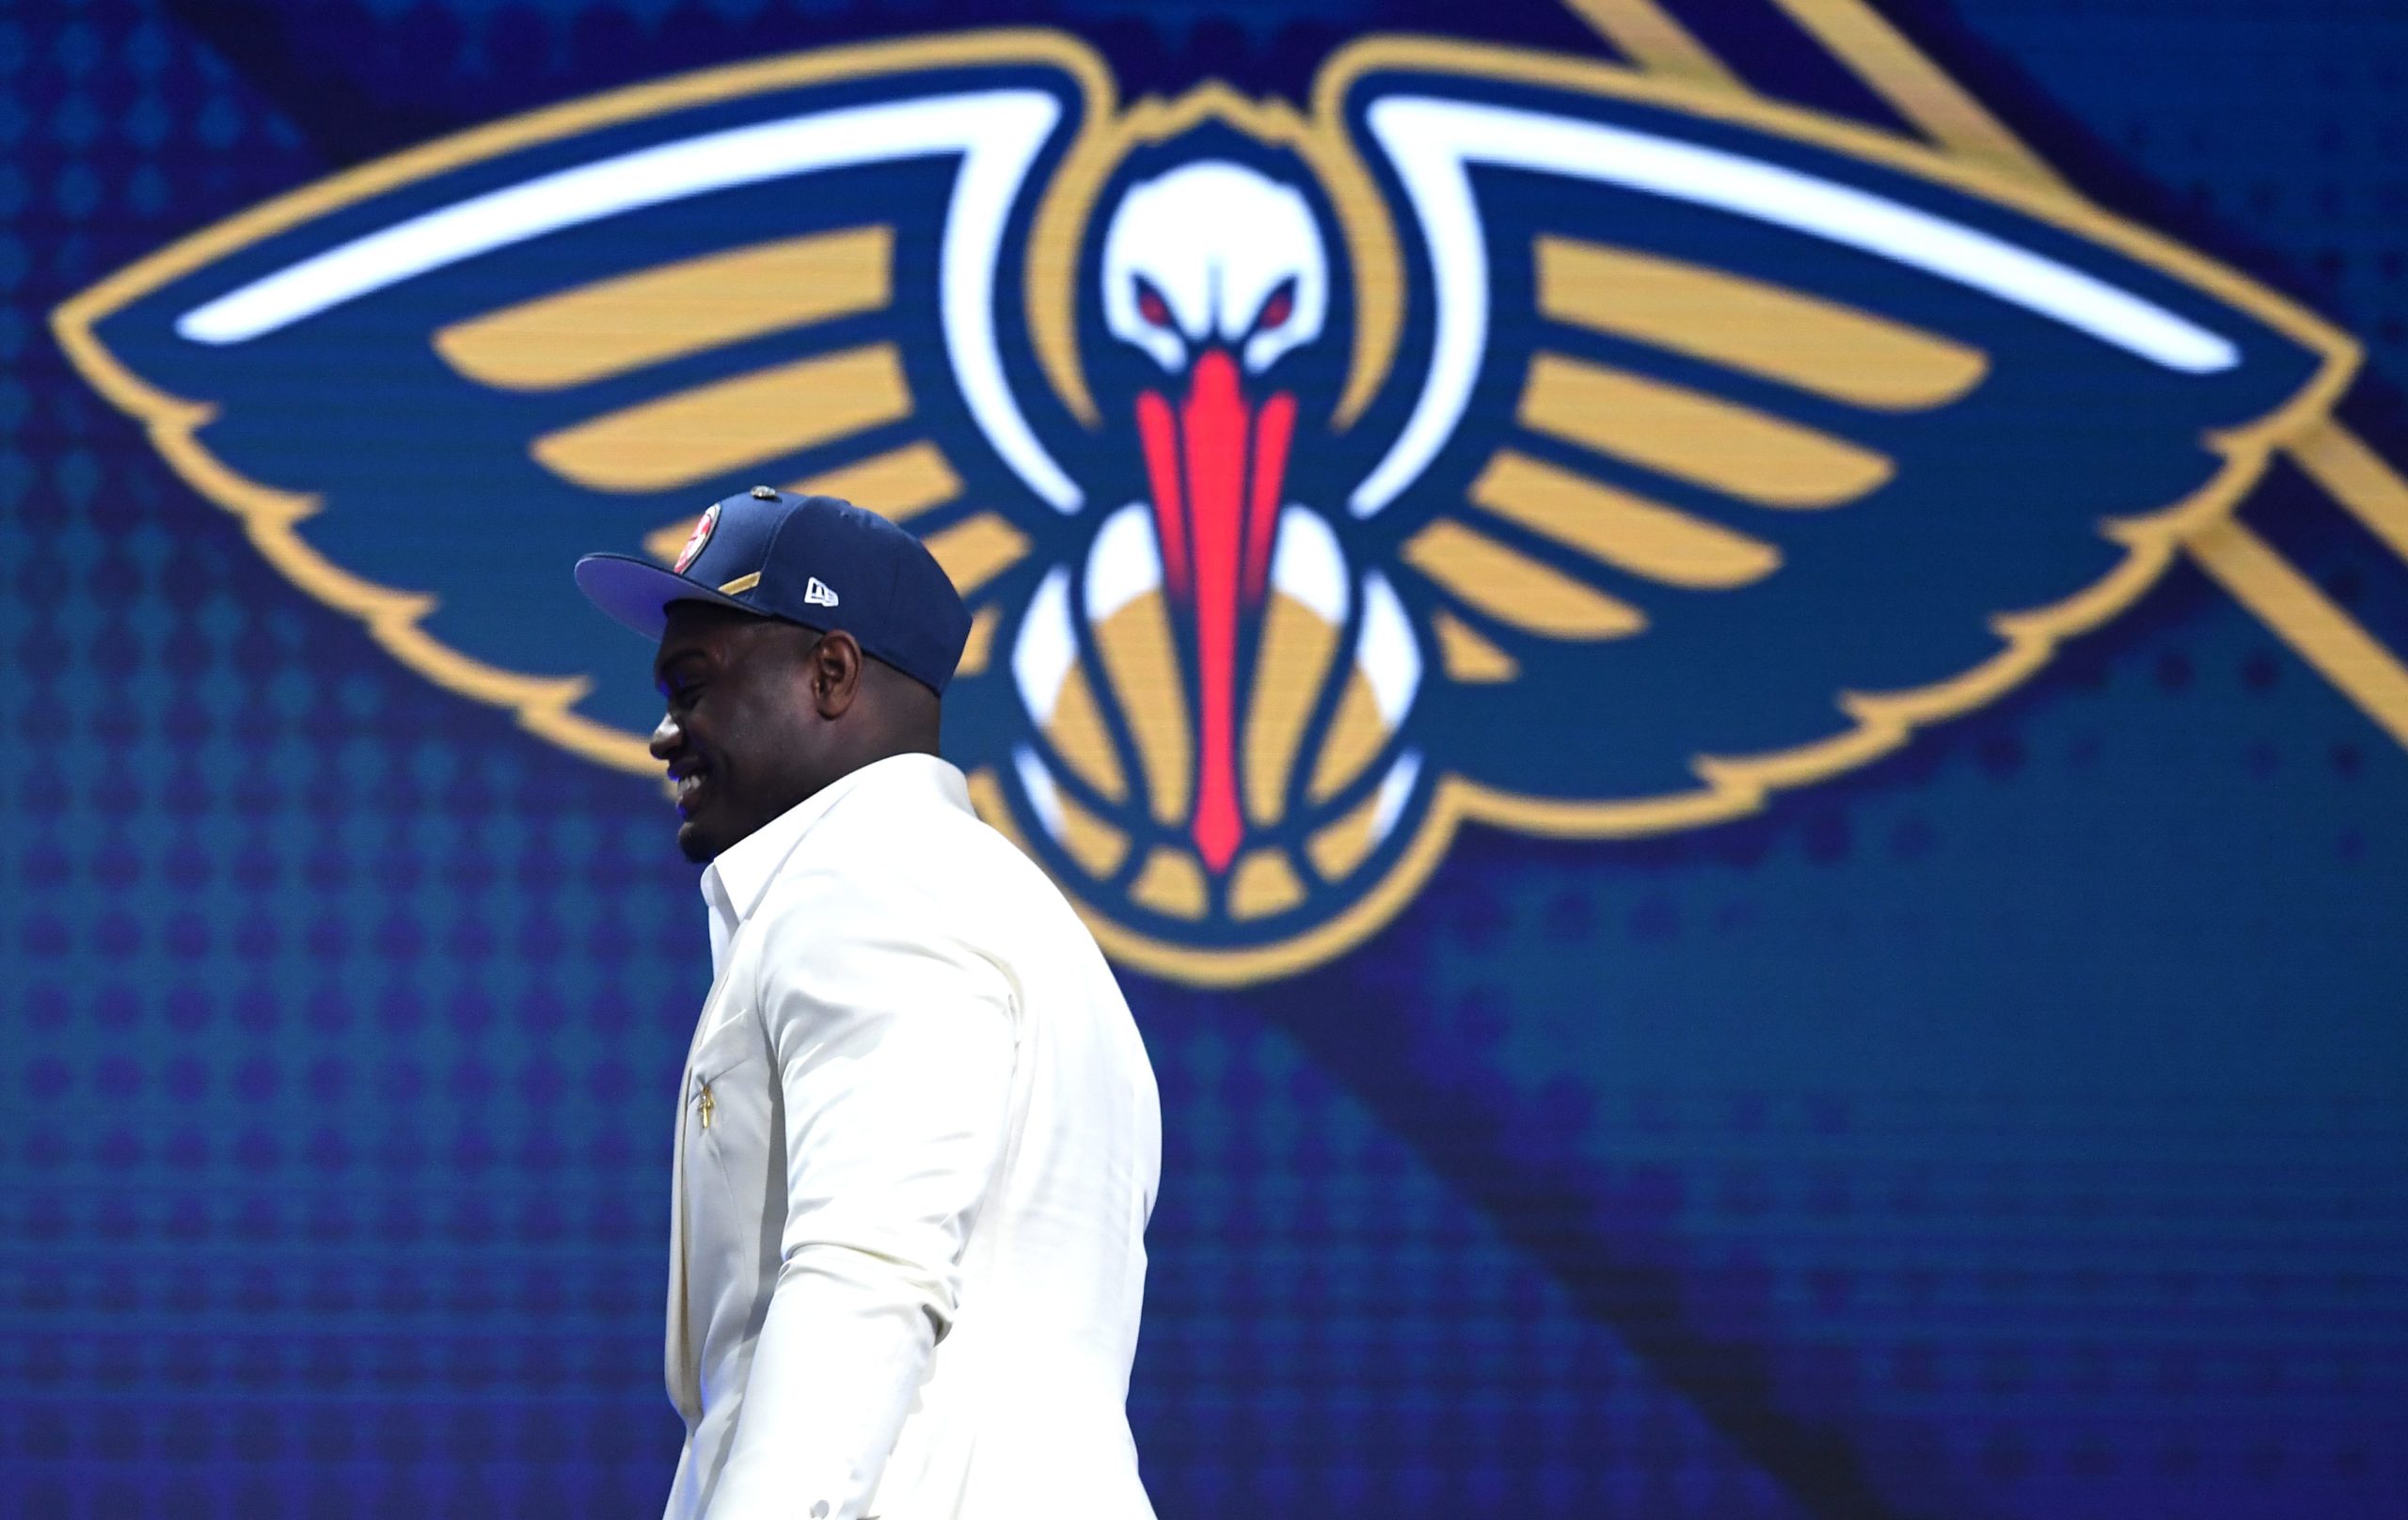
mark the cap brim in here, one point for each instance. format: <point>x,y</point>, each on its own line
<point>638,592</point>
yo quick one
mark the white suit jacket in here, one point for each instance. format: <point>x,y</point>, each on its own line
<point>916,1154</point>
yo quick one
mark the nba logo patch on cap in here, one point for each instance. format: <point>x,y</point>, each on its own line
<point>700,536</point>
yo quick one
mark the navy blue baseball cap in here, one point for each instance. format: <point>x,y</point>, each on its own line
<point>811,560</point>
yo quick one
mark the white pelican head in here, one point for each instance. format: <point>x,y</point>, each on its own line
<point>1215,253</point>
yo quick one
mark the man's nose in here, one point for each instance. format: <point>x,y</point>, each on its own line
<point>666,737</point>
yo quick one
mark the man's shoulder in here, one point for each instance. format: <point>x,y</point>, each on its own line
<point>906,831</point>
<point>923,854</point>
<point>955,891</point>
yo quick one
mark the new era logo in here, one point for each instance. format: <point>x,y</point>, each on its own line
<point>818,594</point>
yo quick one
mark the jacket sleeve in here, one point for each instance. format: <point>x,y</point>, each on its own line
<point>895,1059</point>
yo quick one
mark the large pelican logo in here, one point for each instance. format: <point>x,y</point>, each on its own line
<point>1577,447</point>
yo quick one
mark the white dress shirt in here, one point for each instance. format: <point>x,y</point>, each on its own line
<point>917,1153</point>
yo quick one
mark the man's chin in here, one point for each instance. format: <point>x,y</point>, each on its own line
<point>695,842</point>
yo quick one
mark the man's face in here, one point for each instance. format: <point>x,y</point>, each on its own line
<point>741,738</point>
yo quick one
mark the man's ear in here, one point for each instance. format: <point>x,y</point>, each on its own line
<point>834,667</point>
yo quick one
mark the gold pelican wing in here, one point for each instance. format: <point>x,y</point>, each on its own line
<point>839,402</point>
<point>1610,464</point>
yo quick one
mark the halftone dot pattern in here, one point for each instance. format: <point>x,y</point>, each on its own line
<point>2016,1120</point>
<point>2101,1282</point>
<point>2316,182</point>
<point>332,999</point>
<point>1351,1338</point>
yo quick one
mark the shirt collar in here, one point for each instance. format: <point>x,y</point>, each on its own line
<point>734,883</point>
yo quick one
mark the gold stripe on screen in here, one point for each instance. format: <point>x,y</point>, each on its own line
<point>1091,842</point>
<point>614,325</point>
<point>977,549</point>
<point>1469,658</point>
<point>714,429</point>
<point>1893,68</point>
<point>1076,727</point>
<point>667,541</point>
<point>1097,846</point>
<point>898,485</point>
<point>981,641</point>
<point>1515,589</point>
<point>2310,622</point>
<point>1343,845</point>
<point>1624,530</point>
<point>1263,884</point>
<point>1759,329</point>
<point>1143,671</point>
<point>1171,885</point>
<point>1694,436</point>
<point>1654,40</point>
<point>2357,478</point>
<point>1357,731</point>
<point>1296,649</point>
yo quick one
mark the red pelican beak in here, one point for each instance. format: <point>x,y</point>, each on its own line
<point>1216,465</point>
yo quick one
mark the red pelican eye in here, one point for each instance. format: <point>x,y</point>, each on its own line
<point>1276,310</point>
<point>1151,306</point>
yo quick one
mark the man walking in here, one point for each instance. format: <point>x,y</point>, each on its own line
<point>919,1137</point>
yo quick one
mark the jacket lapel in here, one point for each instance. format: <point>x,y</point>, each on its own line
<point>682,1362</point>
